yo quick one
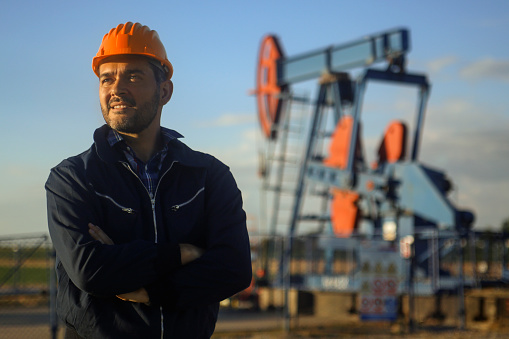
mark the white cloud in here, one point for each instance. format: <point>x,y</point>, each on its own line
<point>243,152</point>
<point>471,148</point>
<point>437,65</point>
<point>487,68</point>
<point>230,119</point>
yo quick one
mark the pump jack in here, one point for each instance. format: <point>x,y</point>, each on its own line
<point>396,194</point>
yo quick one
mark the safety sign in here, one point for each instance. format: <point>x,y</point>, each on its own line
<point>379,279</point>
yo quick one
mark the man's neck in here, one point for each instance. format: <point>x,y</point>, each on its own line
<point>145,144</point>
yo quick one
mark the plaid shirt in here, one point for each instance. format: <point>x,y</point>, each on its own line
<point>147,172</point>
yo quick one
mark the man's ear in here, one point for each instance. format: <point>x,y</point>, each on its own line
<point>166,91</point>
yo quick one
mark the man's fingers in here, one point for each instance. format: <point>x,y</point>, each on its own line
<point>138,296</point>
<point>98,234</point>
<point>189,253</point>
<point>93,233</point>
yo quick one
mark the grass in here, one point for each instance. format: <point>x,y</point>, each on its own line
<point>24,276</point>
<point>10,252</point>
<point>34,268</point>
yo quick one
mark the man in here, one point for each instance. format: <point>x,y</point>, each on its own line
<point>149,234</point>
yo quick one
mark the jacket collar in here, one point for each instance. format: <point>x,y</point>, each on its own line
<point>177,150</point>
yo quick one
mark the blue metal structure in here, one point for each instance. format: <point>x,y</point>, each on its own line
<point>405,193</point>
<point>390,45</point>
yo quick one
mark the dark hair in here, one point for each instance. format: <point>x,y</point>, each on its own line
<point>158,73</point>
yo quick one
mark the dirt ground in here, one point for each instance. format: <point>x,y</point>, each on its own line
<point>34,323</point>
<point>360,331</point>
<point>346,332</point>
<point>265,326</point>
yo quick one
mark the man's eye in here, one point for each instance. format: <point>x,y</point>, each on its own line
<point>106,81</point>
<point>134,78</point>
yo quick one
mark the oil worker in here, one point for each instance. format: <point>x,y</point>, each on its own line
<point>149,235</point>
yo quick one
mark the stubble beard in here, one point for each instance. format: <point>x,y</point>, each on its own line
<point>136,123</point>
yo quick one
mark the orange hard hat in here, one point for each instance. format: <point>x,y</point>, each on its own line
<point>135,39</point>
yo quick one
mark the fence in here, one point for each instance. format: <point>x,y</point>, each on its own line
<point>27,287</point>
<point>27,278</point>
<point>438,265</point>
<point>484,255</point>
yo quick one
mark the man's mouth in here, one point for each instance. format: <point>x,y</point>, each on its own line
<point>119,106</point>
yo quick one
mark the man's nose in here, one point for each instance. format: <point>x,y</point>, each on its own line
<point>119,87</point>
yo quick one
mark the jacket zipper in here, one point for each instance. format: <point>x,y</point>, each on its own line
<point>176,207</point>
<point>153,204</point>
<point>123,208</point>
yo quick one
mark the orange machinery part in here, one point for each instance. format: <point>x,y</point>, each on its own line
<point>344,210</point>
<point>267,89</point>
<point>340,143</point>
<point>393,146</point>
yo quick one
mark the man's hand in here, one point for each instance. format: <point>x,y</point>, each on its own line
<point>189,253</point>
<point>138,296</point>
<point>99,235</point>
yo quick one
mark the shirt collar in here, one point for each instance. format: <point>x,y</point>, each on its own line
<point>168,135</point>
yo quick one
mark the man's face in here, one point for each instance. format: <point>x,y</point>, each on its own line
<point>128,93</point>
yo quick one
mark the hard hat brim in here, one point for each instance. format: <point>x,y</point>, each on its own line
<point>165,65</point>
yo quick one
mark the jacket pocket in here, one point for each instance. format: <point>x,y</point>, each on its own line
<point>184,217</point>
<point>125,209</point>
<point>175,208</point>
<point>116,217</point>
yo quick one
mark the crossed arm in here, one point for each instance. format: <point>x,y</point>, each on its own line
<point>100,269</point>
<point>188,253</point>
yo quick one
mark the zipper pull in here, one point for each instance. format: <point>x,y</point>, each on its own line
<point>128,210</point>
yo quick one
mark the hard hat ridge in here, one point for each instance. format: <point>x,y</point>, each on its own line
<point>135,39</point>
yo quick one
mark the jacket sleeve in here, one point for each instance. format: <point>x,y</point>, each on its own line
<point>103,270</point>
<point>225,267</point>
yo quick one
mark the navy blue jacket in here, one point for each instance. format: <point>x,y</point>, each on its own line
<point>197,201</point>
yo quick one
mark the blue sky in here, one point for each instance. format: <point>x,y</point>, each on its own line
<point>49,105</point>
